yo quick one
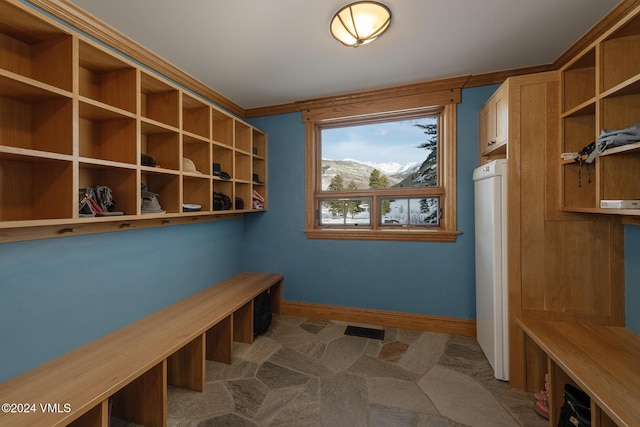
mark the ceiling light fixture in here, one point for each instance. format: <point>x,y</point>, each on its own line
<point>360,23</point>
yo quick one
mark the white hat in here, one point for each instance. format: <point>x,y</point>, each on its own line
<point>189,166</point>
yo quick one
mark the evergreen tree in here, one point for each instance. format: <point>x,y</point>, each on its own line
<point>430,207</point>
<point>427,174</point>
<point>353,206</point>
<point>336,208</point>
<point>337,183</point>
<point>431,130</point>
<point>379,180</point>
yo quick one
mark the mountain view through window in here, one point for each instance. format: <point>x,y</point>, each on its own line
<point>384,156</point>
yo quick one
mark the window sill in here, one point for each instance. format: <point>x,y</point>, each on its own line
<point>411,235</point>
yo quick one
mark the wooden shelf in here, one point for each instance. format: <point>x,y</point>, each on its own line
<point>77,114</point>
<point>610,102</point>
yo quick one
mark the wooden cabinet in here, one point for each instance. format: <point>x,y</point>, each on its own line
<point>601,90</point>
<point>554,264</point>
<point>494,124</point>
<point>75,114</point>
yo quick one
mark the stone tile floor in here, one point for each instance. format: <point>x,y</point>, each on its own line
<point>306,372</point>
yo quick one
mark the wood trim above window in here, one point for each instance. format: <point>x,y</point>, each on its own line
<point>382,106</point>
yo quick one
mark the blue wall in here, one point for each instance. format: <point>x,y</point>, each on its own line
<point>58,294</point>
<point>415,277</point>
<point>632,276</point>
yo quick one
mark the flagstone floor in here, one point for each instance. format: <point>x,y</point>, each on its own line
<point>306,372</point>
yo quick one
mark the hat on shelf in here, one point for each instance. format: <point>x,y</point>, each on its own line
<point>256,178</point>
<point>150,203</point>
<point>191,207</point>
<point>189,166</point>
<point>217,171</point>
<point>148,160</point>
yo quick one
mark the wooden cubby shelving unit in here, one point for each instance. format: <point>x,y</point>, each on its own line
<point>601,90</point>
<point>77,114</point>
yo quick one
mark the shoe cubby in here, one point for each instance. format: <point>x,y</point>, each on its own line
<point>242,169</point>
<point>159,100</point>
<point>35,49</point>
<point>196,117</point>
<point>620,111</point>
<point>580,81</point>
<point>105,78</point>
<point>199,152</point>
<point>167,187</point>
<point>258,176</point>
<point>621,56</point>
<point>35,188</point>
<point>242,191</point>
<point>223,156</point>
<point>578,130</point>
<point>242,137</point>
<point>222,131</point>
<point>143,401</point>
<point>34,118</point>
<point>225,187</point>
<point>621,176</point>
<point>96,416</point>
<point>197,190</point>
<point>259,144</point>
<point>106,134</point>
<point>121,181</point>
<point>579,192</point>
<point>162,143</point>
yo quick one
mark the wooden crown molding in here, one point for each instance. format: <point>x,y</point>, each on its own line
<point>452,84</point>
<point>93,27</point>
<point>616,15</point>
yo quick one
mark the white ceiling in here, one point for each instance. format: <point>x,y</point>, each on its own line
<point>262,53</point>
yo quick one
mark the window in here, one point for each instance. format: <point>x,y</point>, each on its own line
<point>381,175</point>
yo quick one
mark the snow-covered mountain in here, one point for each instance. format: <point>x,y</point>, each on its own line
<point>359,172</point>
<point>390,168</point>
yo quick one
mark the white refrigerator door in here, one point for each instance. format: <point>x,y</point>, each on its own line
<point>491,294</point>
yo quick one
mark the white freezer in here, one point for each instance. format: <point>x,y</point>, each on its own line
<point>490,190</point>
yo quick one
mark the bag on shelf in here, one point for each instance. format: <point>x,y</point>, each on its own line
<point>97,201</point>
<point>148,160</point>
<point>221,202</point>
<point>576,410</point>
<point>239,203</point>
<point>261,313</point>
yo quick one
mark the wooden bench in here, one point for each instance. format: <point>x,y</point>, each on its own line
<point>603,361</point>
<point>133,365</point>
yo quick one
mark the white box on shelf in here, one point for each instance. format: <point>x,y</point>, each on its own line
<point>620,204</point>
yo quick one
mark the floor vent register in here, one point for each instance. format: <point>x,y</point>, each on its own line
<point>358,331</point>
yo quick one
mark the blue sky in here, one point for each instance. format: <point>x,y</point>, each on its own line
<point>380,142</point>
